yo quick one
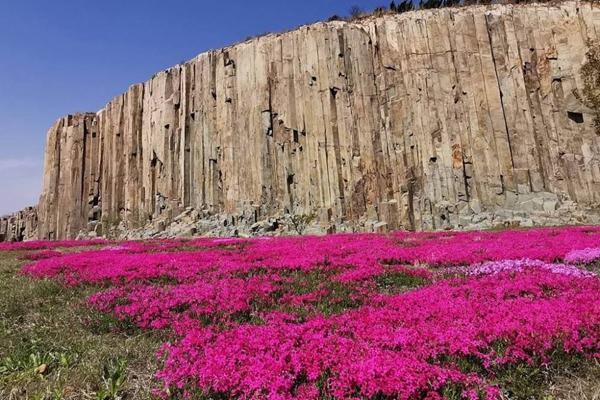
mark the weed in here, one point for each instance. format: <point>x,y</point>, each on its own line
<point>301,221</point>
<point>113,377</point>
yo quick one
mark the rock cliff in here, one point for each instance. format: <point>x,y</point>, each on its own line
<point>19,226</point>
<point>453,118</point>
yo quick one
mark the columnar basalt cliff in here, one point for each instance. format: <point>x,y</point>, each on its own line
<point>451,118</point>
<point>19,226</point>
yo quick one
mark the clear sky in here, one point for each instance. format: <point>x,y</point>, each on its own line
<point>64,56</point>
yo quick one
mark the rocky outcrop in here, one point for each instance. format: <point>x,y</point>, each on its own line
<point>74,160</point>
<point>452,118</point>
<point>19,226</point>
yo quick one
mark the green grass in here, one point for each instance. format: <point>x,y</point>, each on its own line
<point>393,282</point>
<point>53,347</point>
<point>337,297</point>
<point>594,267</point>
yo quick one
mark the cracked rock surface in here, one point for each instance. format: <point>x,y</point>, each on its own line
<point>456,118</point>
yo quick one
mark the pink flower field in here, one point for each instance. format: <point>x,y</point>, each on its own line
<point>353,316</point>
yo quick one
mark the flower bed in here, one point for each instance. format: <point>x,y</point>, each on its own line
<point>406,315</point>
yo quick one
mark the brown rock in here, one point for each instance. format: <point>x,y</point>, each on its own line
<point>410,117</point>
<point>19,226</point>
<point>42,369</point>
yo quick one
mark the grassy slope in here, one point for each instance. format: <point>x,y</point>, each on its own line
<point>44,324</point>
<point>53,347</point>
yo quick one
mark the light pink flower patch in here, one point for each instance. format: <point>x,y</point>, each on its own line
<point>496,267</point>
<point>585,256</point>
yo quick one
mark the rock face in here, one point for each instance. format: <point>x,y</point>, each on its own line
<point>19,226</point>
<point>451,118</point>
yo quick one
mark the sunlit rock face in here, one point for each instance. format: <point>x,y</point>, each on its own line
<point>453,118</point>
<point>19,226</point>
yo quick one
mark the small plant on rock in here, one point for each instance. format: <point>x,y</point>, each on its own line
<point>590,73</point>
<point>301,221</point>
<point>356,13</point>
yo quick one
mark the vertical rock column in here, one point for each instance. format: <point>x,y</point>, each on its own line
<point>70,176</point>
<point>424,120</point>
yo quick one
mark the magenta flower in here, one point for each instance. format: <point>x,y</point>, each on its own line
<point>311,317</point>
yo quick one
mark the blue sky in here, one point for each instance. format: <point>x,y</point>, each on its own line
<point>60,57</point>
